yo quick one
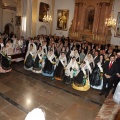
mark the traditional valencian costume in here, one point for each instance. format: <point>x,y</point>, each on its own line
<point>81,81</point>
<point>5,62</point>
<point>38,62</point>
<point>96,79</point>
<point>50,63</point>
<point>29,58</point>
<point>60,71</point>
<point>71,71</point>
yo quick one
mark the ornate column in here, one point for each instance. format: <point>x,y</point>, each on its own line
<point>96,19</point>
<point>106,16</point>
<point>78,25</point>
<point>34,17</point>
<point>24,17</point>
<point>29,18</point>
<point>18,13</point>
<point>1,16</point>
<point>75,17</point>
<point>83,17</point>
<point>102,18</point>
<point>52,14</point>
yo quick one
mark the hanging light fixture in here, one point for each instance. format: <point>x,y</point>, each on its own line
<point>111,22</point>
<point>47,18</point>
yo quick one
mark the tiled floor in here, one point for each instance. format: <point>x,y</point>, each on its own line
<point>21,91</point>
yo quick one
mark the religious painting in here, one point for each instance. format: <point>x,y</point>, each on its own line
<point>18,20</point>
<point>118,26</point>
<point>43,8</point>
<point>62,19</point>
<point>89,18</point>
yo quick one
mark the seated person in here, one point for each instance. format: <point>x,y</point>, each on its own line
<point>49,67</point>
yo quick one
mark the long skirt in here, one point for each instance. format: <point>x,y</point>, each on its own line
<point>37,65</point>
<point>29,62</point>
<point>81,82</point>
<point>96,79</point>
<point>48,69</point>
<point>5,62</point>
<point>59,72</point>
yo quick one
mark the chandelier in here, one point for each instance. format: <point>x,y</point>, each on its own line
<point>47,18</point>
<point>111,22</point>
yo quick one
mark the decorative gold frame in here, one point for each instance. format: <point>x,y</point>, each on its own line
<point>117,33</point>
<point>43,8</point>
<point>62,19</point>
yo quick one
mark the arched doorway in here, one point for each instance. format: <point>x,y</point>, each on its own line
<point>43,30</point>
<point>9,28</point>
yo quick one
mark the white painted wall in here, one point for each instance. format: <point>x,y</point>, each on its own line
<point>63,4</point>
<point>116,40</point>
<point>39,24</point>
<point>9,2</point>
<point>7,15</point>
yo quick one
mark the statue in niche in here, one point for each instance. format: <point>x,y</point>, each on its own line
<point>90,20</point>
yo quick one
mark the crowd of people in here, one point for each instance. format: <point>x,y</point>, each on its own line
<point>78,63</point>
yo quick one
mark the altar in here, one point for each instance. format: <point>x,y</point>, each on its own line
<point>89,21</point>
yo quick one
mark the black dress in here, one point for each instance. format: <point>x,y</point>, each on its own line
<point>37,65</point>
<point>29,62</point>
<point>59,71</point>
<point>5,61</point>
<point>48,69</point>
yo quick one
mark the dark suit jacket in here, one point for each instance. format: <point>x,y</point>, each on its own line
<point>112,71</point>
<point>118,65</point>
<point>96,60</point>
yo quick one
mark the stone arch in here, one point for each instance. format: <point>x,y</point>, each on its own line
<point>42,30</point>
<point>9,28</point>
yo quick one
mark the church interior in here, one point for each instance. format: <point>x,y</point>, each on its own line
<point>48,51</point>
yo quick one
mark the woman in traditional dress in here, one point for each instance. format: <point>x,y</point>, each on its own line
<point>5,62</point>
<point>59,71</point>
<point>71,70</point>
<point>96,79</point>
<point>77,56</point>
<point>29,58</point>
<point>49,67</point>
<point>9,47</point>
<point>90,59</point>
<point>81,81</point>
<point>37,66</point>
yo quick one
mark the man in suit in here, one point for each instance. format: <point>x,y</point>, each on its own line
<point>109,70</point>
<point>117,77</point>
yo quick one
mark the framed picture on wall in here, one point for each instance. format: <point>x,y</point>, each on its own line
<point>62,19</point>
<point>118,26</point>
<point>18,20</point>
<point>43,8</point>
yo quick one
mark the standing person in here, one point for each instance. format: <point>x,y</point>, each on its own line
<point>117,77</point>
<point>109,72</point>
<point>96,79</point>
